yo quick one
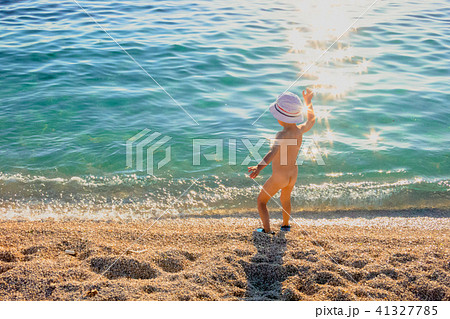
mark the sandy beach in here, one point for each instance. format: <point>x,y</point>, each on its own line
<point>220,258</point>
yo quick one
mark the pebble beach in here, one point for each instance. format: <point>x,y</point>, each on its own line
<point>221,258</point>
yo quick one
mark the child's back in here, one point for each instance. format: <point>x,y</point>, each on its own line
<point>290,141</point>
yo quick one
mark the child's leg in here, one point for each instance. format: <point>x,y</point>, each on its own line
<point>285,199</point>
<point>270,188</point>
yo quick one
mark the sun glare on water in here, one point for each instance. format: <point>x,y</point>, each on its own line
<point>330,68</point>
<point>373,137</point>
<point>328,63</point>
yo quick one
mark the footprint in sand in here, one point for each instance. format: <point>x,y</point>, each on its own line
<point>329,278</point>
<point>310,255</point>
<point>402,258</point>
<point>32,250</point>
<point>112,268</point>
<point>359,263</point>
<point>7,256</point>
<point>174,260</point>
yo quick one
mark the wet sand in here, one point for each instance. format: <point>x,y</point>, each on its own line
<point>212,258</point>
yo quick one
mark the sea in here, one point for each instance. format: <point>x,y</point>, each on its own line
<point>137,109</point>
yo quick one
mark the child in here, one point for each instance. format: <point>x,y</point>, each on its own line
<point>283,154</point>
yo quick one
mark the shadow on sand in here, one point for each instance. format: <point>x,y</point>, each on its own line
<point>265,271</point>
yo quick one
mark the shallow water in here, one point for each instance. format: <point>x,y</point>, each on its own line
<point>70,98</point>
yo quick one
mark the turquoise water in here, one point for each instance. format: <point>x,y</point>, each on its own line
<point>70,98</point>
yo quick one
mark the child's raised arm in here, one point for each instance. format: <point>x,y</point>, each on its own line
<point>311,118</point>
<point>255,170</point>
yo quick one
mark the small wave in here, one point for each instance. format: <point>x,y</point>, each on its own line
<point>141,197</point>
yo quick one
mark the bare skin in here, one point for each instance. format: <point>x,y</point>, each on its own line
<point>283,156</point>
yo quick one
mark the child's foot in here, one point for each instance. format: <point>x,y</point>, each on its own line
<point>261,230</point>
<point>285,228</point>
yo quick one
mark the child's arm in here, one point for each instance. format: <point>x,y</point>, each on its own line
<point>311,118</point>
<point>255,170</point>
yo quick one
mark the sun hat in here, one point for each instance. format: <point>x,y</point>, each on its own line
<point>287,108</point>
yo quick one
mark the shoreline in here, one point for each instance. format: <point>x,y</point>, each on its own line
<point>220,258</point>
<point>126,213</point>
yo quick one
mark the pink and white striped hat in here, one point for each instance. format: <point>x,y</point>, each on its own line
<point>287,108</point>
